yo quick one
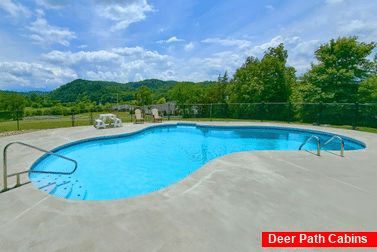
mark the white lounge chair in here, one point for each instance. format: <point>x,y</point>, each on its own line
<point>107,120</point>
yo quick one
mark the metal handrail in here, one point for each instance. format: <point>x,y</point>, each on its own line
<point>5,175</point>
<point>341,144</point>
<point>318,144</point>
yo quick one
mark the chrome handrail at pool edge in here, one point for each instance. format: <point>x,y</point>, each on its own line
<point>5,175</point>
<point>341,144</point>
<point>318,144</point>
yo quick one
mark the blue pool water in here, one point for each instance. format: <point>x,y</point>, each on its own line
<point>156,157</point>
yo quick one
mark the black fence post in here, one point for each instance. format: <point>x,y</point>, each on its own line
<point>210,113</point>
<point>73,118</point>
<point>91,117</point>
<point>168,111</point>
<point>290,112</point>
<point>355,121</point>
<point>226,110</point>
<point>18,120</point>
<point>319,118</point>
<point>261,111</point>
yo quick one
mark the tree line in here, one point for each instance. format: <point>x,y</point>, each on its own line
<point>343,73</point>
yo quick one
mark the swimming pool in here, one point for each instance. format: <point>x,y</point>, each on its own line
<point>138,163</point>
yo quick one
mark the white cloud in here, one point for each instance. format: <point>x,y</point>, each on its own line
<point>124,15</point>
<point>220,61</point>
<point>34,74</point>
<point>306,47</point>
<point>270,7</point>
<point>229,42</point>
<point>45,34</point>
<point>69,58</point>
<point>170,40</point>
<point>39,13</point>
<point>128,50</point>
<point>14,9</point>
<point>118,64</point>
<point>263,47</point>
<point>52,4</point>
<point>189,46</point>
<point>358,26</point>
<point>116,55</point>
<point>336,18</point>
<point>300,52</point>
<point>163,29</point>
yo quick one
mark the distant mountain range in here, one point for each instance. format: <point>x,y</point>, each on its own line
<point>105,90</point>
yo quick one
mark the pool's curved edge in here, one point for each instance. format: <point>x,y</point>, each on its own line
<point>91,139</point>
<point>313,131</point>
<point>190,124</point>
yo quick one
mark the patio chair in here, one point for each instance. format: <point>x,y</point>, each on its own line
<point>139,117</point>
<point>107,121</point>
<point>99,124</point>
<point>117,122</point>
<point>156,117</point>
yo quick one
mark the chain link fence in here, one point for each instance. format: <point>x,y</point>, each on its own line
<point>352,114</point>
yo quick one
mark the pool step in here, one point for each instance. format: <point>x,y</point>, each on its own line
<point>62,190</point>
<point>78,191</point>
<point>48,188</point>
<point>61,186</point>
<point>49,178</point>
<point>49,183</point>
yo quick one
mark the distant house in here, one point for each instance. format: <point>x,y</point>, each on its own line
<point>125,107</point>
<point>166,108</point>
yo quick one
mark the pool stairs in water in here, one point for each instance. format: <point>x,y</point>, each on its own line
<point>62,186</point>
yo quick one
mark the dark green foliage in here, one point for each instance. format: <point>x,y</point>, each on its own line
<point>268,80</point>
<point>11,101</point>
<point>143,96</point>
<point>186,93</point>
<point>368,90</point>
<point>106,92</point>
<point>343,64</point>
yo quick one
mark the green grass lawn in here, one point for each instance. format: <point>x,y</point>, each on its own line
<point>61,122</point>
<point>85,120</point>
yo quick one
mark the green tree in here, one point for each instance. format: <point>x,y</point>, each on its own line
<point>343,64</point>
<point>186,93</point>
<point>277,78</point>
<point>143,96</point>
<point>12,102</point>
<point>246,84</point>
<point>368,90</point>
<point>215,92</point>
<point>305,92</point>
<point>266,80</point>
<point>162,100</point>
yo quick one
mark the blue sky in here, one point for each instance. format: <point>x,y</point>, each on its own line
<point>47,43</point>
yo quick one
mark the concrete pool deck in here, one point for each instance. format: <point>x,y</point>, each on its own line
<point>223,206</point>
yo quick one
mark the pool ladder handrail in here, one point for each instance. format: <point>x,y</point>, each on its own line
<point>17,174</point>
<point>341,143</point>
<point>318,144</point>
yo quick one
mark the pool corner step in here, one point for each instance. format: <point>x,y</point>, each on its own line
<point>48,188</point>
<point>78,191</point>
<point>62,190</point>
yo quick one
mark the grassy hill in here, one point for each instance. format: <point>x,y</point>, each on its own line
<point>105,91</point>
